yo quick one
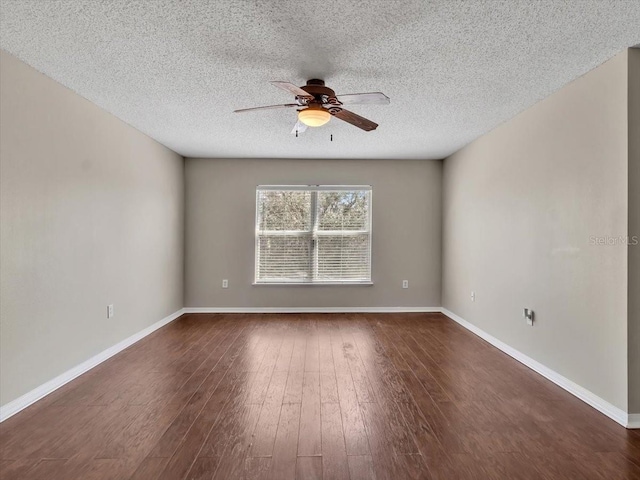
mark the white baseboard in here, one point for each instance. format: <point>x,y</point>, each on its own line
<point>582,393</point>
<point>312,309</point>
<point>45,389</point>
<point>634,420</point>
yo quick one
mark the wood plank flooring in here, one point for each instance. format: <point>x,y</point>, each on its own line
<point>335,396</point>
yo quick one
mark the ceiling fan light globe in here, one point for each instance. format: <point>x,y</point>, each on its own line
<point>314,117</point>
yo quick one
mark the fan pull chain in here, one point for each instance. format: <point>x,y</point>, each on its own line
<point>296,133</point>
<point>332,137</point>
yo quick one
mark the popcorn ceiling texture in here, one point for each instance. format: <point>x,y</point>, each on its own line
<point>453,69</point>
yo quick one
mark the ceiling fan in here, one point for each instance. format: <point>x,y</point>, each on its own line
<point>316,104</point>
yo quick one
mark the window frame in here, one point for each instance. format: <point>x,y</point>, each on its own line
<point>314,232</point>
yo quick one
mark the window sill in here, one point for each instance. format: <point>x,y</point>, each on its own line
<point>310,284</point>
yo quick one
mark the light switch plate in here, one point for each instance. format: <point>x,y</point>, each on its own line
<point>527,313</point>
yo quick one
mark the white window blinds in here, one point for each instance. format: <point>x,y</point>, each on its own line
<point>313,234</point>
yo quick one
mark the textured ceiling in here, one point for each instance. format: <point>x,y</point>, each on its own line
<point>453,69</point>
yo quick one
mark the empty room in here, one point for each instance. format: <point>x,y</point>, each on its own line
<point>335,239</point>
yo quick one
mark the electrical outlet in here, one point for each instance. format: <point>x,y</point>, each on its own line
<point>109,311</point>
<point>473,296</point>
<point>405,283</point>
<point>225,283</point>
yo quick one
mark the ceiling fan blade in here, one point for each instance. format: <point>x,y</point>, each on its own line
<point>356,120</point>
<point>292,89</point>
<point>268,107</point>
<point>372,98</point>
<point>298,127</point>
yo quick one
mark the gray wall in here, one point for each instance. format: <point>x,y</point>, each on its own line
<point>521,205</point>
<point>634,230</point>
<point>220,216</point>
<point>92,214</point>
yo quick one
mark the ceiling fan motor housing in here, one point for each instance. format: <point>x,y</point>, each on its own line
<point>318,89</point>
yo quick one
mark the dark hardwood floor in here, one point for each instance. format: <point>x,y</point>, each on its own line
<point>337,396</point>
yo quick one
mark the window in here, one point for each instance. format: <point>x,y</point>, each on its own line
<point>313,234</point>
